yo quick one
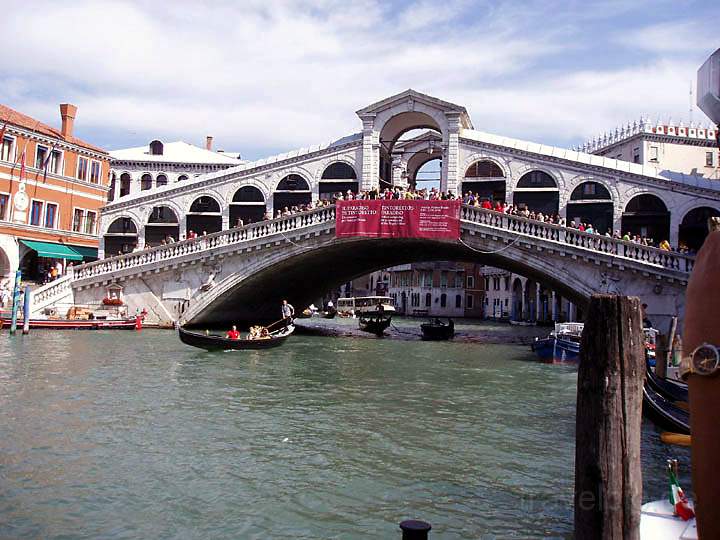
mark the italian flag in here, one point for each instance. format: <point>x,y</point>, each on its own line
<point>678,498</point>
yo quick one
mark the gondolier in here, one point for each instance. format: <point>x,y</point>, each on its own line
<point>288,311</point>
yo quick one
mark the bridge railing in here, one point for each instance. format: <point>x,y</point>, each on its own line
<point>49,294</point>
<point>596,242</point>
<point>205,243</point>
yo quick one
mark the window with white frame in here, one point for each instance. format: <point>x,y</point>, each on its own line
<point>78,215</point>
<point>90,222</point>
<point>36,212</point>
<point>471,282</point>
<point>636,155</point>
<point>4,206</point>
<point>709,159</point>
<point>56,161</point>
<point>82,169</point>
<point>51,214</point>
<point>41,153</point>
<point>7,149</point>
<point>469,301</point>
<point>654,154</point>
<point>95,172</point>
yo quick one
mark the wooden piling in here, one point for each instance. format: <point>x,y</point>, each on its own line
<point>608,475</point>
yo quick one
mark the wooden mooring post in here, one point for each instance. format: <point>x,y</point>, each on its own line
<point>608,474</point>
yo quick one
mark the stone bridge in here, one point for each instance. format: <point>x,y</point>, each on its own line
<point>242,274</point>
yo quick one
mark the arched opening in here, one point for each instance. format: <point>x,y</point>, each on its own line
<point>486,180</point>
<point>248,205</point>
<point>647,216</point>
<point>694,229</point>
<point>537,191</point>
<point>4,264</point>
<point>156,148</point>
<point>145,182</point>
<point>161,180</point>
<point>428,174</point>
<point>530,301</point>
<point>121,237</point>
<point>337,177</point>
<point>111,192</point>
<point>124,184</point>
<point>293,190</point>
<point>162,225</point>
<point>204,216</point>
<point>517,300</point>
<point>590,202</point>
<point>182,177</point>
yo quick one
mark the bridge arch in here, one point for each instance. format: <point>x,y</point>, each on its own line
<point>146,181</point>
<point>121,236</point>
<point>591,202</point>
<point>337,176</point>
<point>647,215</point>
<point>162,223</point>
<point>293,189</point>
<point>204,215</point>
<point>486,178</point>
<point>248,205</point>
<point>125,183</point>
<point>693,228</point>
<point>417,162</point>
<point>537,190</point>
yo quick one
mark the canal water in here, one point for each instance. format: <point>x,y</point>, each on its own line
<point>134,435</point>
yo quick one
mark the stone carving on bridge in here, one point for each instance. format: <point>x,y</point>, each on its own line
<point>211,270</point>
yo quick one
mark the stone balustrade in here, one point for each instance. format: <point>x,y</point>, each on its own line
<point>53,291</point>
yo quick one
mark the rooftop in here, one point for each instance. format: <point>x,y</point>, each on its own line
<point>176,152</point>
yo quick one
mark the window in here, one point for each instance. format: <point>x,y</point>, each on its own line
<point>428,300</point>
<point>636,155</point>
<point>471,282</point>
<point>507,283</point>
<point>90,218</point>
<point>469,301</point>
<point>459,280</point>
<point>50,215</point>
<point>36,209</point>
<point>443,279</point>
<point>41,153</point>
<point>709,159</point>
<point>95,172</point>
<point>77,219</point>
<point>654,154</point>
<point>588,188</point>
<point>55,162</point>
<point>4,205</point>
<point>487,283</point>
<point>82,168</point>
<point>145,182</point>
<point>458,301</point>
<point>443,300</point>
<point>6,150</point>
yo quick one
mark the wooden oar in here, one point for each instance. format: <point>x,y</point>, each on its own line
<point>276,322</point>
<point>678,439</point>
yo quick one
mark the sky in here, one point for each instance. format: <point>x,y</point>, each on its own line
<point>268,76</point>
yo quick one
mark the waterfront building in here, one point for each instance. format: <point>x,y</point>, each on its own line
<point>437,289</point>
<point>52,186</point>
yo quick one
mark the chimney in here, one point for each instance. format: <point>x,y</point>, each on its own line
<point>208,142</point>
<point>67,113</point>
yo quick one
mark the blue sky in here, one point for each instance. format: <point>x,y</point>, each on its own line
<point>266,76</point>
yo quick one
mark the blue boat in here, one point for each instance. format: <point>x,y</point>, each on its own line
<point>562,345</point>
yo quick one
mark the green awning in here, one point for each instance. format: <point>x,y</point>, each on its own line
<point>85,252</point>
<point>53,251</point>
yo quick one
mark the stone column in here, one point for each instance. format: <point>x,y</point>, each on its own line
<point>449,180</point>
<point>675,220</point>
<point>182,225</point>
<point>370,154</point>
<point>554,307</point>
<point>398,168</point>
<point>537,302</point>
<point>226,218</point>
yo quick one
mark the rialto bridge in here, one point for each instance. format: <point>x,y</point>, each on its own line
<point>234,273</point>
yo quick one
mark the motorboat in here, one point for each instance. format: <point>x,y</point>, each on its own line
<point>562,345</point>
<point>125,323</point>
<point>437,330</point>
<point>214,342</point>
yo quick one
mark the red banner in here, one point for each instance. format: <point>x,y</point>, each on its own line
<point>398,219</point>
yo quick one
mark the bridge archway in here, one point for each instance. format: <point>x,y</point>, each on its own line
<point>121,237</point>
<point>693,228</point>
<point>248,205</point>
<point>292,190</point>
<point>486,180</point>
<point>538,191</point>
<point>204,216</point>
<point>338,177</point>
<point>162,223</point>
<point>646,215</point>
<point>591,202</point>
<point>125,181</point>
<point>517,300</point>
<point>426,171</point>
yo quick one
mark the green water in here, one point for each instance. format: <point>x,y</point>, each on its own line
<point>134,435</point>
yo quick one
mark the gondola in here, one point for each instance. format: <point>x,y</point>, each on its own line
<point>374,325</point>
<point>211,342</point>
<point>667,389</point>
<point>330,313</point>
<point>664,413</point>
<point>438,330</point>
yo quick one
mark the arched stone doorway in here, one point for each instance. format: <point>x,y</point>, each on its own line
<point>121,237</point>
<point>204,216</point>
<point>646,215</point>
<point>162,224</point>
<point>293,190</point>
<point>591,202</point>
<point>517,300</point>
<point>248,205</point>
<point>693,229</point>
<point>537,191</point>
<point>486,180</point>
<point>337,177</point>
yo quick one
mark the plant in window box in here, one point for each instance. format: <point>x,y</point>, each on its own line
<point>112,302</point>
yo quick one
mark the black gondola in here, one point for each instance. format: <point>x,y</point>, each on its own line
<point>211,342</point>
<point>438,330</point>
<point>374,325</point>
<point>664,413</point>
<point>667,389</point>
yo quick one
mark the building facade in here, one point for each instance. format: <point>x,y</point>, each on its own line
<point>52,186</point>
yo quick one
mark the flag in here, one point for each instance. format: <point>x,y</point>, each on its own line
<point>678,499</point>
<point>47,161</point>
<point>22,166</point>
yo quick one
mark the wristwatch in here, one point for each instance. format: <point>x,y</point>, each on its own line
<point>704,360</point>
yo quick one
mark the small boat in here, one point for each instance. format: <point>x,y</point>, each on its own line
<point>664,413</point>
<point>374,325</point>
<point>213,342</point>
<point>672,391</point>
<point>330,313</point>
<point>562,345</point>
<point>75,324</point>
<point>672,518</point>
<point>438,330</point>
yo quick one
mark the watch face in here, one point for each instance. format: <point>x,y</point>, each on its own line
<point>705,359</point>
